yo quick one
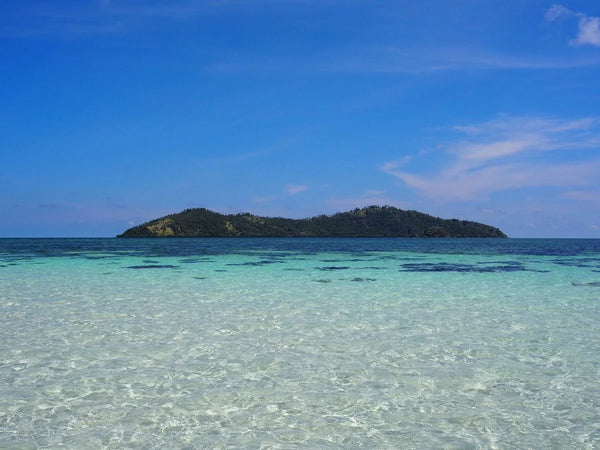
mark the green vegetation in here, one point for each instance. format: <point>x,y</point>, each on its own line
<point>373,221</point>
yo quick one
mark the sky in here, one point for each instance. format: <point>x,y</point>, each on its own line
<point>115,112</point>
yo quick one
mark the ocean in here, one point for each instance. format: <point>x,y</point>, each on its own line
<point>299,343</point>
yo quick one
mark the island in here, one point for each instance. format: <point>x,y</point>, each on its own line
<point>372,221</point>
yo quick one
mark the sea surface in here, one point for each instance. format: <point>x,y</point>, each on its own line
<point>299,343</point>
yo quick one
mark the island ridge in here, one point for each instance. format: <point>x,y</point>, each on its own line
<point>372,221</point>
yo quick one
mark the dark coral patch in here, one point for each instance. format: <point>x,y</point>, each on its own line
<point>452,267</point>
<point>194,260</point>
<point>590,283</point>
<point>153,266</point>
<point>578,262</point>
<point>256,263</point>
<point>344,260</point>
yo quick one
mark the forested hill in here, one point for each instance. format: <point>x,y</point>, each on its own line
<point>373,221</point>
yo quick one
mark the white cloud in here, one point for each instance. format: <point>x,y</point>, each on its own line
<point>556,12</point>
<point>588,32</point>
<point>294,189</point>
<point>511,153</point>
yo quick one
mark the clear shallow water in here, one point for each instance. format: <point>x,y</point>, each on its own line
<point>286,343</point>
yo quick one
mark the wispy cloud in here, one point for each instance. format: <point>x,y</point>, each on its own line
<point>556,12</point>
<point>588,32</point>
<point>76,212</point>
<point>79,19</point>
<point>591,196</point>
<point>57,19</point>
<point>510,153</point>
<point>389,60</point>
<point>410,58</point>
<point>178,9</point>
<point>76,19</point>
<point>294,189</point>
<point>263,199</point>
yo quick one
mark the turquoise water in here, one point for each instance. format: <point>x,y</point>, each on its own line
<point>299,343</point>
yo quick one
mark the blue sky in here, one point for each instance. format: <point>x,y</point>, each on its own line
<point>114,112</point>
